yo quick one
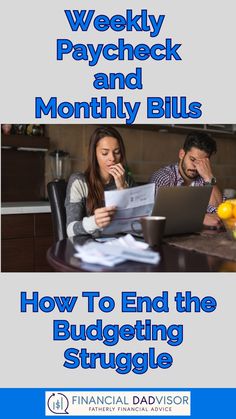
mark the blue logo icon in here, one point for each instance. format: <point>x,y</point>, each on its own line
<point>58,404</point>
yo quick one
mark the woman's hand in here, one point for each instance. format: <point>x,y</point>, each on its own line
<point>103,216</point>
<point>118,173</point>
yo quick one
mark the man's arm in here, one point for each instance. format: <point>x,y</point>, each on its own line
<point>216,197</point>
<point>204,169</point>
<point>212,220</point>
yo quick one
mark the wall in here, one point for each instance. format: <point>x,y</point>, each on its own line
<point>147,150</point>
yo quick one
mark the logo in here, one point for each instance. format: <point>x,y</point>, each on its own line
<point>118,403</point>
<point>58,404</point>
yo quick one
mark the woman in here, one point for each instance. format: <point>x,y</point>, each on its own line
<point>85,210</point>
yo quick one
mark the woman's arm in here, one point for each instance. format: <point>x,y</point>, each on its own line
<point>77,220</point>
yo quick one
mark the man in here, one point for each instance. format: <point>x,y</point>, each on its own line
<point>194,169</point>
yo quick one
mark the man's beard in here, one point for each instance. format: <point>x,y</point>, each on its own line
<point>190,174</point>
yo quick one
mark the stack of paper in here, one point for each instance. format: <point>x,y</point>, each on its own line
<point>131,204</point>
<point>116,251</point>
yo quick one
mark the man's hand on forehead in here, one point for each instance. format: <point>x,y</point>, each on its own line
<point>203,167</point>
<point>202,159</point>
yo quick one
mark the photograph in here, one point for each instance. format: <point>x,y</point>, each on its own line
<point>116,198</point>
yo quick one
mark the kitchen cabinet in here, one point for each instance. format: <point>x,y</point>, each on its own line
<point>23,167</point>
<point>216,130</point>
<point>25,142</point>
<point>25,241</point>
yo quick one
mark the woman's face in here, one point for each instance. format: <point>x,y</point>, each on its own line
<point>108,154</point>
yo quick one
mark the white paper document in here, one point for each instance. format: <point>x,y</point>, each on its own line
<point>116,251</point>
<point>131,204</point>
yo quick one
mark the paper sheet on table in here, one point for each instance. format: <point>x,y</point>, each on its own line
<point>131,204</point>
<point>116,251</point>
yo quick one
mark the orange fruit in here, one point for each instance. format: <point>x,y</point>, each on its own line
<point>233,202</point>
<point>225,210</point>
<point>234,211</point>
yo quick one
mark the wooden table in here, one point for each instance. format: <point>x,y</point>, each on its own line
<point>173,259</point>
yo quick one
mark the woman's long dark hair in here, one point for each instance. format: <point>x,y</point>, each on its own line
<point>95,197</point>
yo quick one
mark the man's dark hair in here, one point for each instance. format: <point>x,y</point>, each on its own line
<point>202,141</point>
